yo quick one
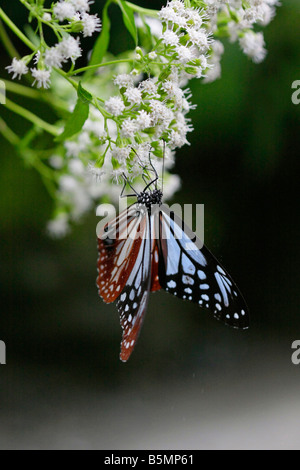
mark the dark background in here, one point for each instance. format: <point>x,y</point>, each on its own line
<point>191,382</point>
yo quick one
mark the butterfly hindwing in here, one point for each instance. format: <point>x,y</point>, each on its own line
<point>133,300</point>
<point>188,270</point>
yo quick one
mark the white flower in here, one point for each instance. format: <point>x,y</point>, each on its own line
<point>218,48</point>
<point>64,10</point>
<point>200,39</point>
<point>76,167</point>
<point>37,57</point>
<point>94,127</point>
<point>69,48</point>
<point>172,89</point>
<point>81,5</point>
<point>68,183</point>
<point>185,54</point>
<point>74,148</point>
<point>56,161</point>
<point>177,140</point>
<point>253,46</point>
<point>123,80</point>
<point>42,78</point>
<point>167,14</point>
<point>91,23</point>
<point>161,113</point>
<point>118,175</point>
<point>152,55</point>
<point>177,5</point>
<point>144,120</point>
<point>47,17</point>
<point>148,86</point>
<point>134,95</point>
<point>81,202</point>
<point>129,127</point>
<point>53,57</point>
<point>213,73</point>
<point>18,68</point>
<point>121,154</point>
<point>170,38</point>
<point>194,17</point>
<point>58,227</point>
<point>115,105</point>
<point>96,172</point>
<point>265,14</point>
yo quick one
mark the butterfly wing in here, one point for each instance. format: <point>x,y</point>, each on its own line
<point>117,252</point>
<point>125,271</point>
<point>188,270</point>
<point>155,285</point>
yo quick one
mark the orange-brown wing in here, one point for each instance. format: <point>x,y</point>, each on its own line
<point>118,246</point>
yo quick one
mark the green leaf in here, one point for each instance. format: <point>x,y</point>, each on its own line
<point>84,95</point>
<point>128,18</point>
<point>102,42</point>
<point>78,117</point>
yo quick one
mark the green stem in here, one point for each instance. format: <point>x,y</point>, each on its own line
<point>31,93</point>
<point>65,75</point>
<point>103,64</point>
<point>21,89</point>
<point>29,116</point>
<point>16,30</point>
<point>12,51</point>
<point>104,113</point>
<point>9,135</point>
<point>144,11</point>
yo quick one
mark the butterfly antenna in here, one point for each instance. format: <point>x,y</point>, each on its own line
<point>126,181</point>
<point>154,170</point>
<point>142,166</point>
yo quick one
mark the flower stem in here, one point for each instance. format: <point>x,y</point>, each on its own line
<point>35,94</point>
<point>16,30</point>
<point>144,11</point>
<point>9,135</point>
<point>29,116</point>
<point>12,51</point>
<point>103,64</point>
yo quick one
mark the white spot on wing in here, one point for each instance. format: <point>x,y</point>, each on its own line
<point>171,284</point>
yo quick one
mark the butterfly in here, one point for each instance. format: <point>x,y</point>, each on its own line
<point>146,248</point>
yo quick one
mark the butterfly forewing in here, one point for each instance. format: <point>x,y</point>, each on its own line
<point>188,270</point>
<point>118,245</point>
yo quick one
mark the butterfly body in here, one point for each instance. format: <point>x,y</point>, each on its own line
<point>146,248</point>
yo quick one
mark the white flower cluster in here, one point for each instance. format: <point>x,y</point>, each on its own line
<point>186,38</point>
<point>75,12</point>
<point>142,112</point>
<point>240,17</point>
<point>153,110</point>
<point>149,114</point>
<point>82,183</point>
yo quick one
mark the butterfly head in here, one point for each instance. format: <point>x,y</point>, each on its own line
<point>150,198</point>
